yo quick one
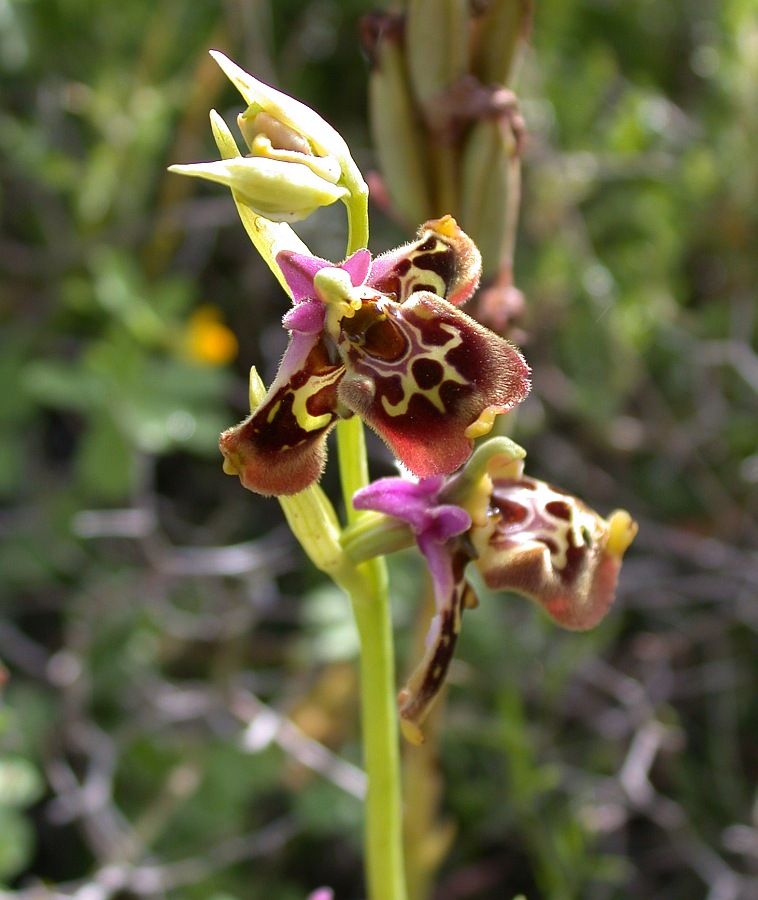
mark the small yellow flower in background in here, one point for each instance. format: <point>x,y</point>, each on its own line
<point>207,339</point>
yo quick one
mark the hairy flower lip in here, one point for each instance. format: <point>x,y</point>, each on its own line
<point>549,546</point>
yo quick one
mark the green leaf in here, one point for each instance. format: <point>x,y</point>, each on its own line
<point>105,462</point>
<point>16,843</point>
<point>20,782</point>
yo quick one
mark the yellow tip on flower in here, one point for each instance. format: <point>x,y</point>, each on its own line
<point>446,226</point>
<point>410,731</point>
<point>622,531</point>
<point>483,424</point>
<point>230,466</point>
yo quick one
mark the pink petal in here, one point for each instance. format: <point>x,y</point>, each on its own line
<point>357,266</point>
<point>437,526</point>
<point>307,317</point>
<point>452,594</point>
<point>409,501</point>
<point>299,270</point>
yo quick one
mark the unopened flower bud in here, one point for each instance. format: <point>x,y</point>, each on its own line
<point>268,138</point>
<point>297,161</point>
<point>279,191</point>
<point>292,127</point>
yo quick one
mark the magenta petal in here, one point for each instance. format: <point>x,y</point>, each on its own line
<point>415,502</point>
<point>299,270</point>
<point>452,594</point>
<point>436,526</point>
<point>402,498</point>
<point>446,521</point>
<point>357,266</point>
<point>307,317</point>
<point>440,561</point>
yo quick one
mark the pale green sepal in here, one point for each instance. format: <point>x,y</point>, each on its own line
<point>280,191</point>
<point>269,238</point>
<point>321,137</point>
<point>324,139</point>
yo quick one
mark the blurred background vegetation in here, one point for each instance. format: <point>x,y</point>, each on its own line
<point>179,715</point>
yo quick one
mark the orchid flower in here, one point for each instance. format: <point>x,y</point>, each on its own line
<point>521,533</point>
<point>382,339</point>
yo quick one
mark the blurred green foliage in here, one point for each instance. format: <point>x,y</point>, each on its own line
<point>162,634</point>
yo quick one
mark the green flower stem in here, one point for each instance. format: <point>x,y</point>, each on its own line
<point>357,212</point>
<point>385,870</point>
<point>385,875</point>
<point>311,517</point>
<point>353,464</point>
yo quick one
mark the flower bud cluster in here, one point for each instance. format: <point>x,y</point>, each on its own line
<point>296,163</point>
